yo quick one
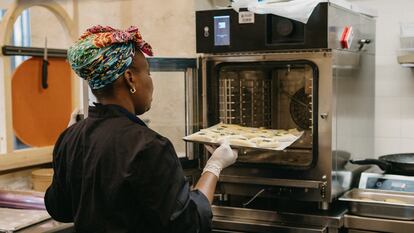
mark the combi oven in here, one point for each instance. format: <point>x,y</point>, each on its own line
<point>281,74</point>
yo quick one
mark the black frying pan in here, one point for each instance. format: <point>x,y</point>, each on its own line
<point>399,164</point>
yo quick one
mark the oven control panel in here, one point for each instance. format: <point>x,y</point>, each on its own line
<point>387,182</point>
<point>225,30</point>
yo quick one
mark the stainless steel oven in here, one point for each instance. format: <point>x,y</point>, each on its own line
<point>281,74</point>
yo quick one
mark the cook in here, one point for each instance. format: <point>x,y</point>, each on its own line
<point>111,172</point>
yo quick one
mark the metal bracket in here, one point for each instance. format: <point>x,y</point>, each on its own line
<point>32,51</point>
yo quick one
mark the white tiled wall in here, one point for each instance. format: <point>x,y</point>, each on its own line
<point>394,123</point>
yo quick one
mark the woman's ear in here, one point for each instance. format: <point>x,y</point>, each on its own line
<point>129,78</point>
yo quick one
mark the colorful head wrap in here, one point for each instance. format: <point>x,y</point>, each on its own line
<point>102,54</point>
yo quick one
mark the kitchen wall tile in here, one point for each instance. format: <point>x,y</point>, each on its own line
<point>388,81</point>
<point>407,117</point>
<point>387,146</point>
<point>407,145</point>
<point>388,117</point>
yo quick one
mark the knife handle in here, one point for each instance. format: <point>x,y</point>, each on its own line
<point>44,74</point>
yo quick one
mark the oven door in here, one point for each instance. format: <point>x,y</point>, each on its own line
<point>278,91</point>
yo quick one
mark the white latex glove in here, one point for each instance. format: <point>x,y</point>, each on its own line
<point>73,116</point>
<point>221,158</point>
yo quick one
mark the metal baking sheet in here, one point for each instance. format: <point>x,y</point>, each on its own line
<point>381,204</point>
<point>12,220</point>
<point>282,145</point>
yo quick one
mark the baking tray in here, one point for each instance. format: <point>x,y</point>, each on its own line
<point>380,203</point>
<point>281,145</point>
<point>280,148</point>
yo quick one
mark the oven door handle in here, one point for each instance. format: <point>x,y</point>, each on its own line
<point>272,182</point>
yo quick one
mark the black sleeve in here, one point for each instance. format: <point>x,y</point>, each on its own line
<point>159,184</point>
<point>57,199</point>
<point>192,213</point>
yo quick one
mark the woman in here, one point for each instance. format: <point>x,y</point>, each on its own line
<point>113,173</point>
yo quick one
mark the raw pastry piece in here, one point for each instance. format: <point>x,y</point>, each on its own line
<point>241,142</point>
<point>280,133</point>
<point>231,137</point>
<point>263,142</point>
<point>294,131</point>
<point>285,138</point>
<point>267,143</point>
<point>257,139</point>
<point>201,136</point>
<point>250,135</point>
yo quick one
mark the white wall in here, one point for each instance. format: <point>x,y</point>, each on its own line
<point>394,122</point>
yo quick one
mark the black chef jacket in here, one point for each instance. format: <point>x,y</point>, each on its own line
<point>114,174</point>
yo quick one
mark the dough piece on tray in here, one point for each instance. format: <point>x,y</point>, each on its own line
<point>285,138</point>
<point>241,142</point>
<point>236,140</point>
<point>202,136</point>
<point>294,131</point>
<point>263,142</point>
<point>250,135</point>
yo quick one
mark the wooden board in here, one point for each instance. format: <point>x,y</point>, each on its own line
<point>40,115</point>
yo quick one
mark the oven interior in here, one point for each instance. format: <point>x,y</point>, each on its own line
<point>275,95</point>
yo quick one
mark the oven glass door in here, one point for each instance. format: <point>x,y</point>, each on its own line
<point>269,94</point>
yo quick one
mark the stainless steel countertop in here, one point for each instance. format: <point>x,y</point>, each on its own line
<point>48,226</point>
<point>378,224</point>
<point>243,219</point>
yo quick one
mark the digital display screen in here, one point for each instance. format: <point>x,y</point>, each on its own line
<point>222,30</point>
<point>390,184</point>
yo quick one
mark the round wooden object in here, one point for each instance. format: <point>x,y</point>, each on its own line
<point>40,115</point>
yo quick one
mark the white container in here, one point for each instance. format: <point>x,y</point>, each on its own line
<point>407,36</point>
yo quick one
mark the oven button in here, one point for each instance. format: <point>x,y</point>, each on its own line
<point>378,184</point>
<point>206,31</point>
<point>284,27</point>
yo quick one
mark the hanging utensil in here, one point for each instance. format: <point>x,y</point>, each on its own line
<point>45,63</point>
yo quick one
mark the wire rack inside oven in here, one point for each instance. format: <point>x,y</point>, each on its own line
<point>270,98</point>
<point>244,98</point>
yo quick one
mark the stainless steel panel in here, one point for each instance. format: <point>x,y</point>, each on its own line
<point>263,227</point>
<point>378,224</point>
<point>333,220</point>
<point>272,182</point>
<point>363,28</point>
<point>382,204</point>
<point>359,231</point>
<point>353,90</point>
<point>250,220</point>
<point>353,105</point>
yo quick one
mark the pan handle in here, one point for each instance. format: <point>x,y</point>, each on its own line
<point>385,166</point>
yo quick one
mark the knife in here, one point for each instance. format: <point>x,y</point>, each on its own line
<point>44,67</point>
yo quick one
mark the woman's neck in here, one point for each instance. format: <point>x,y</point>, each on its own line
<point>125,103</point>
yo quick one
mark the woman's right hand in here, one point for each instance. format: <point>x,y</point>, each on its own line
<point>221,158</point>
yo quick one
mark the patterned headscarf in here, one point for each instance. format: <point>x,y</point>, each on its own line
<point>102,54</point>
